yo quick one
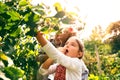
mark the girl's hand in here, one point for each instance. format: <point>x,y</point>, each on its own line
<point>41,39</point>
<point>39,33</point>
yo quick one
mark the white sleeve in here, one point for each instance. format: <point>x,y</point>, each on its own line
<point>84,67</point>
<point>43,71</point>
<point>55,54</point>
<point>50,70</point>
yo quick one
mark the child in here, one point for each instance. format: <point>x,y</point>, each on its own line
<point>59,40</point>
<point>68,58</point>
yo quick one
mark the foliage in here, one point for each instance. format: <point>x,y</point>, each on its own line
<point>13,73</point>
<point>114,40</point>
<point>97,33</point>
<point>93,77</point>
<point>119,53</point>
<point>111,66</point>
<point>90,45</point>
<point>10,70</point>
<point>108,64</point>
<point>115,43</point>
<point>16,23</point>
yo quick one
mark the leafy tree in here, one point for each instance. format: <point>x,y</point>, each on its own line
<point>114,40</point>
<point>96,40</point>
<point>114,28</point>
<point>16,22</point>
<point>96,48</point>
<point>115,43</point>
<point>97,33</point>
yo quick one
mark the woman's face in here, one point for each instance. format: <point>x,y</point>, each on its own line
<point>71,48</point>
<point>61,38</point>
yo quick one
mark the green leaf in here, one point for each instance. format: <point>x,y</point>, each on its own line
<point>13,73</point>
<point>36,18</point>
<point>7,27</point>
<point>16,33</point>
<point>4,16</point>
<point>30,45</point>
<point>10,25</point>
<point>40,12</point>
<point>56,28</point>
<point>58,7</point>
<point>67,20</point>
<point>0,28</point>
<point>3,8</point>
<point>60,14</point>
<point>23,3</point>
<point>31,20</point>
<point>3,56</point>
<point>14,15</point>
<point>27,16</point>
<point>45,28</point>
<point>32,32</point>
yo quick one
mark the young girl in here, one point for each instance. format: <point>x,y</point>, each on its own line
<point>59,40</point>
<point>68,61</point>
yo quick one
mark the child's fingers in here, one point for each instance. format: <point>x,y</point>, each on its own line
<point>39,33</point>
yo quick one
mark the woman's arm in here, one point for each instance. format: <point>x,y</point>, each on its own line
<point>47,63</point>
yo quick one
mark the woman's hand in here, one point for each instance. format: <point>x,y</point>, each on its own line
<point>61,49</point>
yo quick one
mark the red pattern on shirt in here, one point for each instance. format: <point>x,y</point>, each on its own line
<point>60,73</point>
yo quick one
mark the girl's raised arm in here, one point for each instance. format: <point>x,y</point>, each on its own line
<point>41,39</point>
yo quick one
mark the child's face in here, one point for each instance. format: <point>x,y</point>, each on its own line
<point>71,48</point>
